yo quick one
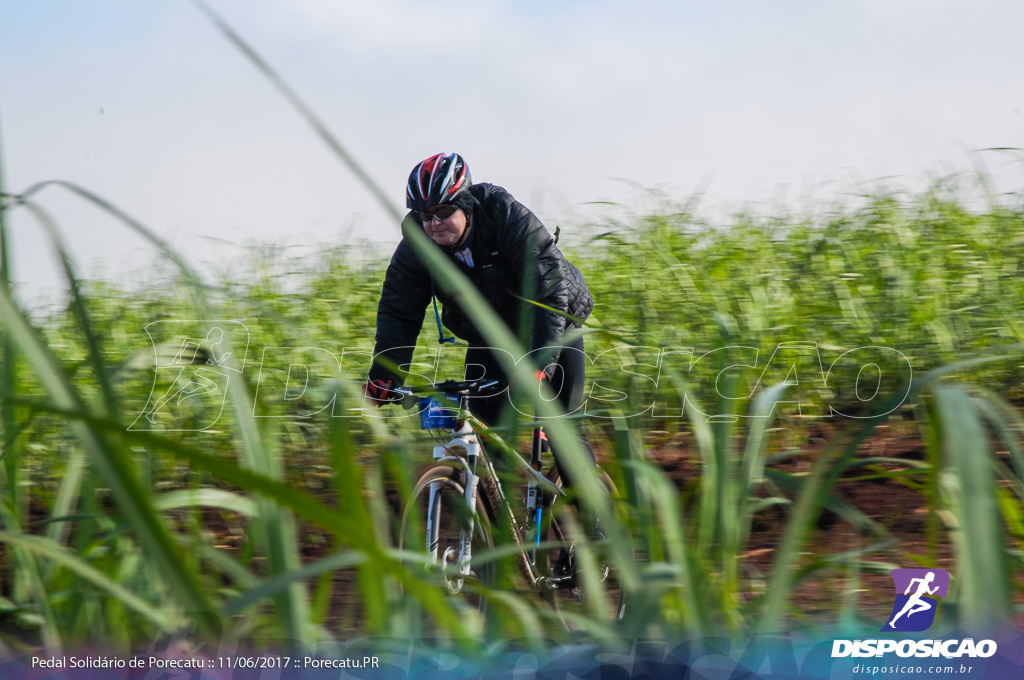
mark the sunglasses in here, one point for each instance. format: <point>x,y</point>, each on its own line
<point>441,212</point>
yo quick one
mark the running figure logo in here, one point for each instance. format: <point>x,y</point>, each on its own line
<point>192,372</point>
<point>914,610</point>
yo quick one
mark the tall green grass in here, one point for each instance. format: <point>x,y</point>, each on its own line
<point>232,535</point>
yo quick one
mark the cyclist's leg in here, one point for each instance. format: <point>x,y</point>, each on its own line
<point>568,381</point>
<point>494,411</point>
<point>482,363</point>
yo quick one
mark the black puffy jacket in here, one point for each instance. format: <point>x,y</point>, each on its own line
<point>505,240</point>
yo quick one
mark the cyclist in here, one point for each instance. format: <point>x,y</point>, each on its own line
<point>509,256</point>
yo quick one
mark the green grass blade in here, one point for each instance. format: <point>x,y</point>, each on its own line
<point>277,529</point>
<point>811,496</point>
<point>350,484</point>
<point>260,453</point>
<point>691,583</point>
<point>31,583</point>
<point>47,549</point>
<point>208,498</point>
<point>969,483</point>
<point>67,495</point>
<point>1008,423</point>
<point>283,582</point>
<point>300,503</point>
<point>112,463</point>
<point>108,405</point>
<point>9,359</point>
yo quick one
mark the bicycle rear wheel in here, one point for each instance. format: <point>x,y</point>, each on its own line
<point>446,509</point>
<point>583,585</point>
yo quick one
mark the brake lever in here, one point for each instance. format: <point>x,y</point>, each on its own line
<point>407,400</point>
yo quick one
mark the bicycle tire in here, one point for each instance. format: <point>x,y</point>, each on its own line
<point>558,562</point>
<point>451,516</point>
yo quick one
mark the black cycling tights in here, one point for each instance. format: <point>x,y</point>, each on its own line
<point>567,381</point>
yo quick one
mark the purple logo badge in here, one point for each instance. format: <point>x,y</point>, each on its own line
<point>917,597</point>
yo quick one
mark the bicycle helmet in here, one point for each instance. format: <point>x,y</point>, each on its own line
<point>442,178</point>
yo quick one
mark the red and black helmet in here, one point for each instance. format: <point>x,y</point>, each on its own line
<point>440,179</point>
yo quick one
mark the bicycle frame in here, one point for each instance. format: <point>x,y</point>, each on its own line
<point>464,451</point>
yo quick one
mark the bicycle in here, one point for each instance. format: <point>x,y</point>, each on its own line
<point>460,499</point>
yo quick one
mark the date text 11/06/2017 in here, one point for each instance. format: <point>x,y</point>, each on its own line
<point>200,663</point>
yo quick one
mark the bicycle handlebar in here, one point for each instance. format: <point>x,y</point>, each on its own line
<point>451,388</point>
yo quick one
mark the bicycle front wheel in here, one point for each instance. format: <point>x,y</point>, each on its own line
<point>438,520</point>
<point>583,584</point>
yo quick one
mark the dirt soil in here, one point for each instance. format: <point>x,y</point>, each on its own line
<point>894,506</point>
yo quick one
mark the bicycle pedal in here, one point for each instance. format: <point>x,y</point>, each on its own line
<point>565,563</point>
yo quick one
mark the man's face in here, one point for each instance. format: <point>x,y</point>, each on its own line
<point>446,231</point>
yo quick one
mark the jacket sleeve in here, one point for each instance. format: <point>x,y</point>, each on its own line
<point>403,301</point>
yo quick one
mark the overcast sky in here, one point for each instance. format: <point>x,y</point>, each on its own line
<point>563,103</point>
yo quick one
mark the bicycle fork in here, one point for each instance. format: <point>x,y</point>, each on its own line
<point>463,558</point>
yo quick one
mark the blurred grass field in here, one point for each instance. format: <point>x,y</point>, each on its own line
<point>280,528</point>
<point>852,381</point>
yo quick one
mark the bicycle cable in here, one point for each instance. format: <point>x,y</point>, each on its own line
<point>437,315</point>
